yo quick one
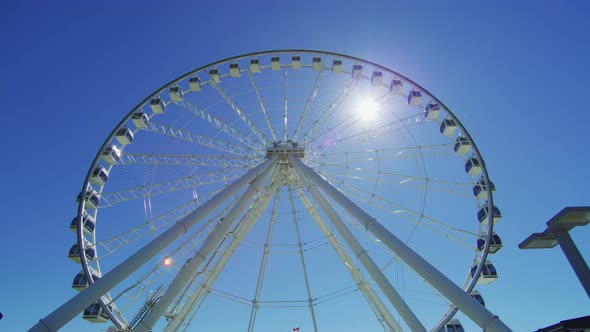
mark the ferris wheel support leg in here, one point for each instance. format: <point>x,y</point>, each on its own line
<point>392,295</point>
<point>381,311</point>
<point>192,264</point>
<point>468,305</point>
<point>66,312</point>
<point>211,277</point>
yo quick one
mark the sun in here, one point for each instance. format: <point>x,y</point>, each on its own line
<point>368,108</point>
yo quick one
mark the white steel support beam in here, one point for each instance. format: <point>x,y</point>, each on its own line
<point>383,314</point>
<point>392,295</point>
<point>192,264</point>
<point>217,123</point>
<point>302,258</point>
<point>468,305</point>
<point>310,99</point>
<point>263,262</point>
<point>240,113</point>
<point>261,102</point>
<point>209,280</point>
<point>285,109</point>
<point>66,312</point>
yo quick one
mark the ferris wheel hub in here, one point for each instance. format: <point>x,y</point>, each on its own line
<point>285,148</point>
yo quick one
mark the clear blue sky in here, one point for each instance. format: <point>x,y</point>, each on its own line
<point>515,74</point>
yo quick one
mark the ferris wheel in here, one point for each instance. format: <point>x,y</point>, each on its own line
<point>285,189</point>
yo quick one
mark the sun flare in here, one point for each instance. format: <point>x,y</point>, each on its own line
<point>368,108</point>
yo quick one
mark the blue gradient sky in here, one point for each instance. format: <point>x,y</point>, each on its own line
<point>517,76</point>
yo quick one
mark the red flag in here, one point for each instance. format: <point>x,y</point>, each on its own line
<point>296,329</point>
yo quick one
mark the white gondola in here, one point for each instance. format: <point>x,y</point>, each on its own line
<point>100,176</point>
<point>124,136</point>
<point>482,215</point>
<point>414,98</point>
<point>462,145</point>
<point>477,296</point>
<point>157,105</point>
<point>275,63</point>
<point>140,119</point>
<point>377,78</point>
<point>488,273</point>
<point>495,244</point>
<point>454,325</point>
<point>111,154</point>
<point>87,221</point>
<point>94,313</point>
<point>337,66</point>
<point>91,199</point>
<point>316,63</point>
<point>396,86</point>
<point>357,70</point>
<point>234,70</point>
<point>472,166</point>
<point>448,127</point>
<point>176,93</point>
<point>431,111</point>
<point>80,281</point>
<point>295,62</point>
<point>214,75</point>
<point>74,253</point>
<point>255,66</point>
<point>480,190</point>
<point>195,83</point>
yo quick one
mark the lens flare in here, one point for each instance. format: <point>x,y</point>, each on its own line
<point>368,108</point>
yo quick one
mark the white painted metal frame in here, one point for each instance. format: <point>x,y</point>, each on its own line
<point>251,150</point>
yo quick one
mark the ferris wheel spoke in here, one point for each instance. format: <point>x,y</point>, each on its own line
<point>361,155</point>
<point>262,107</point>
<point>217,123</point>
<point>372,157</point>
<point>403,178</point>
<point>240,113</point>
<point>456,189</point>
<point>302,259</point>
<point>114,243</point>
<point>309,103</point>
<point>332,107</point>
<point>347,141</point>
<point>285,105</point>
<point>193,181</point>
<point>400,211</point>
<point>202,140</point>
<point>397,156</point>
<point>356,119</point>
<point>153,225</point>
<point>189,159</point>
<point>264,261</point>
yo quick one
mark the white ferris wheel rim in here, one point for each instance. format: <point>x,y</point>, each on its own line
<point>84,241</point>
